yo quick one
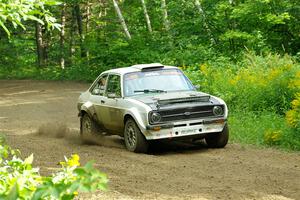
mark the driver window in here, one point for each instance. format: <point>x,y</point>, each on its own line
<point>99,88</point>
<point>114,85</point>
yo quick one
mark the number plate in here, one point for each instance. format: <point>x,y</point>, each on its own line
<point>188,131</point>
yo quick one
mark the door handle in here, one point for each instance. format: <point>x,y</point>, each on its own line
<point>102,101</point>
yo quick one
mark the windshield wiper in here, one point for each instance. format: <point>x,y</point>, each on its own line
<point>150,91</point>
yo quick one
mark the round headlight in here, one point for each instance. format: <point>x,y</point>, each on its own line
<point>155,117</point>
<point>218,110</point>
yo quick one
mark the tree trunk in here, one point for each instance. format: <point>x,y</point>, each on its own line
<point>39,44</point>
<point>202,13</point>
<point>87,25</point>
<point>72,33</point>
<point>165,15</point>
<point>146,16</point>
<point>121,18</point>
<point>62,36</point>
<point>80,29</point>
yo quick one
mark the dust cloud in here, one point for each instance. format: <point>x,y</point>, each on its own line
<point>62,131</point>
<point>57,130</point>
<point>103,140</point>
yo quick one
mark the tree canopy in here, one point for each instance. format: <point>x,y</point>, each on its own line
<point>106,33</point>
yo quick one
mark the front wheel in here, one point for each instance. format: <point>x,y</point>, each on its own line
<point>88,128</point>
<point>135,141</point>
<point>218,140</point>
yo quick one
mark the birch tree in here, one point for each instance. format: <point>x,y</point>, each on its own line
<point>121,18</point>
<point>72,35</point>
<point>39,44</point>
<point>147,18</point>
<point>165,15</point>
<point>202,13</point>
<point>62,36</point>
<point>87,25</point>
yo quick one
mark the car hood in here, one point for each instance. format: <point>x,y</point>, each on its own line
<point>178,99</point>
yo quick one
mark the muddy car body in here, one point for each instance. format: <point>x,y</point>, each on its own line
<point>151,102</point>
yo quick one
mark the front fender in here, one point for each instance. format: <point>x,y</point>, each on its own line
<point>88,108</point>
<point>139,118</point>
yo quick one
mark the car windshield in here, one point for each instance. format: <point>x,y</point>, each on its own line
<point>159,81</point>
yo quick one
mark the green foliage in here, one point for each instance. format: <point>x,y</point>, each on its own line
<point>254,84</point>
<point>293,115</point>
<point>19,180</point>
<point>255,25</point>
<point>17,11</point>
<point>263,129</point>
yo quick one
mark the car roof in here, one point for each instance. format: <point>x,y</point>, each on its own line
<point>139,68</point>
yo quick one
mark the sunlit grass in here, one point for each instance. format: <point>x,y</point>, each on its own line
<point>263,128</point>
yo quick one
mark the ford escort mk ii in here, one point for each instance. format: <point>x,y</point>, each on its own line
<point>150,102</point>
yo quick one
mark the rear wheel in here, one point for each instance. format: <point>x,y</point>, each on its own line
<point>88,128</point>
<point>135,141</point>
<point>218,140</point>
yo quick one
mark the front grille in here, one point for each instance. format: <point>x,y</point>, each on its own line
<point>184,100</point>
<point>186,113</point>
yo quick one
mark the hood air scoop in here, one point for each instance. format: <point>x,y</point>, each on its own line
<point>192,99</point>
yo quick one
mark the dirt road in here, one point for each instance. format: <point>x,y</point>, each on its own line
<point>41,117</point>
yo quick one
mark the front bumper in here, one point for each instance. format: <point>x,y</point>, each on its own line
<point>183,129</point>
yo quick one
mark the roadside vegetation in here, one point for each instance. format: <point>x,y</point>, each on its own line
<point>20,180</point>
<point>246,52</point>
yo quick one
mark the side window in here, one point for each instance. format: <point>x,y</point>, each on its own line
<point>100,86</point>
<point>114,85</point>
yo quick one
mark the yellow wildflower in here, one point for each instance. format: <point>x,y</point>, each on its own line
<point>291,118</point>
<point>272,137</point>
<point>63,164</point>
<point>204,69</point>
<point>235,80</point>
<point>287,67</point>
<point>274,73</point>
<point>296,103</point>
<point>232,82</point>
<point>73,161</point>
<point>294,84</point>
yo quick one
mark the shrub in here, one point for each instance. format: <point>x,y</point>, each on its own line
<point>19,180</point>
<point>293,115</point>
<point>255,84</point>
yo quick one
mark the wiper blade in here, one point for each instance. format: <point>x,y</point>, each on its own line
<point>150,91</point>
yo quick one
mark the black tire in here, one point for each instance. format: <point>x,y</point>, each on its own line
<point>88,128</point>
<point>218,140</point>
<point>135,141</point>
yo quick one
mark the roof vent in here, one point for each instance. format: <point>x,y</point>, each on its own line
<point>151,66</point>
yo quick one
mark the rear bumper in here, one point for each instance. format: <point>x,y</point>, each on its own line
<point>183,129</point>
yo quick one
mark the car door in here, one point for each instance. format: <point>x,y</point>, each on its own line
<point>98,98</point>
<point>114,120</point>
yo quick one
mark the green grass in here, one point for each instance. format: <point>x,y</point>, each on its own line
<point>254,128</point>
